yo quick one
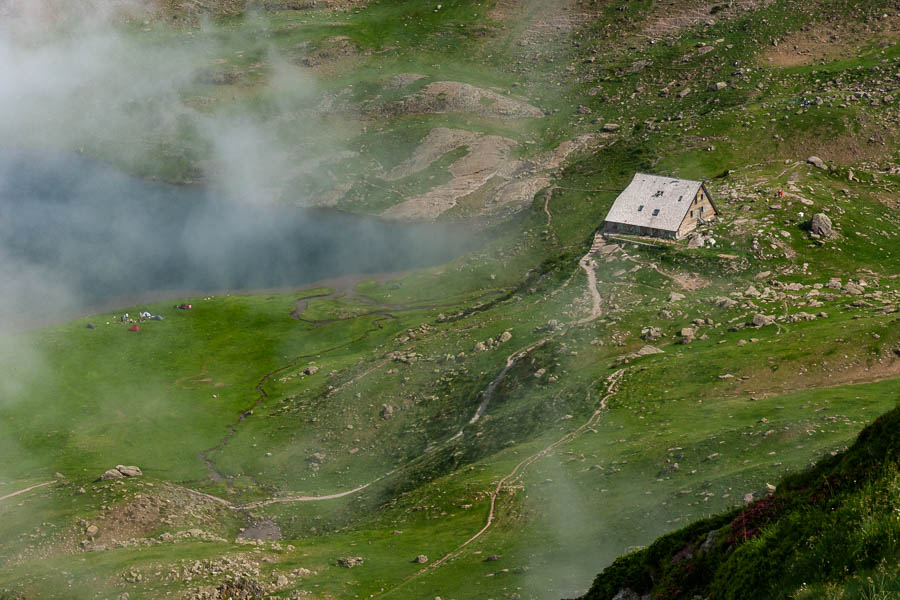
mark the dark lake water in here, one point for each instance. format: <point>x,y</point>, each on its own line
<point>76,233</point>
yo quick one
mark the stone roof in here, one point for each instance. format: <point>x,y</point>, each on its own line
<point>653,201</point>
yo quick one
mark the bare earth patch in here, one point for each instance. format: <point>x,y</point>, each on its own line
<point>506,184</point>
<point>671,20</point>
<point>835,40</point>
<point>689,281</point>
<point>436,144</point>
<point>455,97</point>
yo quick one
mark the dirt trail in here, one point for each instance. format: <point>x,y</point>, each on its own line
<point>25,491</point>
<point>587,263</point>
<point>518,471</point>
<point>334,496</point>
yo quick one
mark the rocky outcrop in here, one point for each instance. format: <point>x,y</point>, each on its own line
<point>120,472</point>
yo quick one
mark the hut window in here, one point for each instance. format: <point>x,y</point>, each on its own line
<point>692,213</point>
<point>655,211</point>
<point>680,197</point>
<point>658,194</point>
<point>701,209</point>
<point>640,208</point>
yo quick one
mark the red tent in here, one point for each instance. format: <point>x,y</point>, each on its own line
<point>134,328</point>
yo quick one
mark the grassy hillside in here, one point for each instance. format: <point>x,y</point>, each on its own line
<point>828,532</point>
<point>501,426</point>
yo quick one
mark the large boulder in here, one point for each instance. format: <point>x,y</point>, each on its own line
<point>821,225</point>
<point>111,474</point>
<point>817,162</point>
<point>129,471</point>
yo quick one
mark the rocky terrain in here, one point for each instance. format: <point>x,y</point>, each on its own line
<point>508,424</point>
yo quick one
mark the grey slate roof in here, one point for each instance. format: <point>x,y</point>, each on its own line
<point>673,204</point>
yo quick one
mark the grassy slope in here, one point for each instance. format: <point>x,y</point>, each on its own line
<point>116,398</point>
<point>827,532</point>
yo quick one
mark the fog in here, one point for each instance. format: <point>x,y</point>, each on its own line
<point>83,88</point>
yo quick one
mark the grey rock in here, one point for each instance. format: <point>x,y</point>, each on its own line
<point>817,162</point>
<point>129,471</point>
<point>348,562</point>
<point>821,225</point>
<point>710,542</point>
<point>626,594</point>
<point>111,474</point>
<point>651,333</point>
<point>760,320</point>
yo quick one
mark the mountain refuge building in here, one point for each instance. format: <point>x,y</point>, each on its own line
<point>660,207</point>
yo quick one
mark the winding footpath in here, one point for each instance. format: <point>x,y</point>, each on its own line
<point>586,263</point>
<point>25,491</point>
<point>518,472</point>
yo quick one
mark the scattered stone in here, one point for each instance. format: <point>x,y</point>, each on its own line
<point>672,468</point>
<point>675,296</point>
<point>611,127</point>
<point>505,337</point>
<point>421,559</point>
<point>852,288</point>
<point>760,320</point>
<point>651,333</point>
<point>348,562</point>
<point>387,412</point>
<point>492,558</point>
<point>311,370</point>
<point>648,350</point>
<point>718,86</point>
